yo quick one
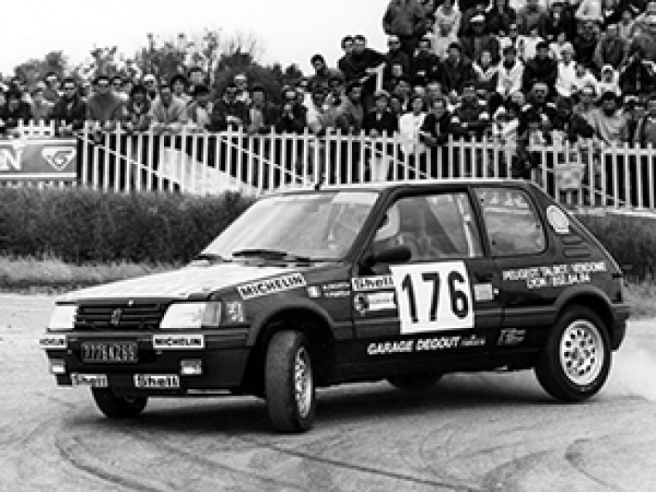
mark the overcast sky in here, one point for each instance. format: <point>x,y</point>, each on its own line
<point>289,30</point>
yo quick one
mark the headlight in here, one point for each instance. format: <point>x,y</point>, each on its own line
<point>62,317</point>
<point>191,316</point>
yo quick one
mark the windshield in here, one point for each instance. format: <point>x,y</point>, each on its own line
<point>316,226</point>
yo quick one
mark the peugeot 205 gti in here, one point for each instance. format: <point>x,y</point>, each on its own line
<point>311,288</point>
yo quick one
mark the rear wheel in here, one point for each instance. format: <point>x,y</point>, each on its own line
<point>576,360</point>
<point>415,382</point>
<point>289,381</point>
<point>116,406</point>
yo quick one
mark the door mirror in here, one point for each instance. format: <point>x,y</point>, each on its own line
<point>396,254</point>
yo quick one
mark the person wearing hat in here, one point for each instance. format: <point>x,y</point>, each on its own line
<point>470,10</point>
<point>478,40</point>
<point>104,107</point>
<point>150,83</point>
<point>541,68</point>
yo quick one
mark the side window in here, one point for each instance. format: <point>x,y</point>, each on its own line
<point>512,225</point>
<point>434,227</point>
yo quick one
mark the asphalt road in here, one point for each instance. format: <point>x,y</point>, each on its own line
<point>472,432</point>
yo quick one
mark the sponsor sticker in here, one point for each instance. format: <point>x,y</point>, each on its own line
<point>511,336</point>
<point>562,275</point>
<point>314,292</point>
<point>92,380</point>
<point>336,290</point>
<point>178,342</point>
<point>59,157</point>
<point>235,311</point>
<point>377,301</point>
<point>156,381</point>
<point>271,286</point>
<point>413,346</point>
<point>558,220</point>
<point>363,284</point>
<point>53,342</point>
<point>483,292</point>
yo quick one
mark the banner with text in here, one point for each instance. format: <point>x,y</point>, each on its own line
<point>48,159</point>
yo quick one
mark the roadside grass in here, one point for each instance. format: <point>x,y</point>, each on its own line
<point>51,275</point>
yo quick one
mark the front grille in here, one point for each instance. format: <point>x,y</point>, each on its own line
<point>119,317</point>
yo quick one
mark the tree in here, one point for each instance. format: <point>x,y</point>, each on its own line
<point>35,69</point>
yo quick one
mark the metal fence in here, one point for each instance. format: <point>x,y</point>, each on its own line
<point>201,163</point>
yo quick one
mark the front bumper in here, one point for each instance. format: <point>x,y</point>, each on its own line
<point>222,356</point>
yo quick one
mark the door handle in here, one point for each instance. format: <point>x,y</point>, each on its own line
<point>484,277</point>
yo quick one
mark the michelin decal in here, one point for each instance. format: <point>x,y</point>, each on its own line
<point>271,286</point>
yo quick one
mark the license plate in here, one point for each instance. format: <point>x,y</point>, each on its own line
<point>110,352</point>
<point>93,380</point>
<point>156,381</point>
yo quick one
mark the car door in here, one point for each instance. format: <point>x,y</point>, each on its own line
<point>443,300</point>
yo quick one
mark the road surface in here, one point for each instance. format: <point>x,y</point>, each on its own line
<point>472,432</point>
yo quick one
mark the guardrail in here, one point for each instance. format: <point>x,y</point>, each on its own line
<point>583,175</point>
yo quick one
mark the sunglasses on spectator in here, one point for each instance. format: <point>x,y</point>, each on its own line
<point>103,85</point>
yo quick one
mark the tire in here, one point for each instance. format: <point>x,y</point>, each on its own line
<point>576,359</point>
<point>414,383</point>
<point>118,407</point>
<point>289,382</point>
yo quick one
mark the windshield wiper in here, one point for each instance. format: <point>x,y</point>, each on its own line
<point>211,257</point>
<point>274,254</point>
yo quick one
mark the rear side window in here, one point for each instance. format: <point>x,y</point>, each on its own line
<point>513,227</point>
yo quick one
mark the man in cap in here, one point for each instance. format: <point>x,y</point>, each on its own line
<point>479,40</point>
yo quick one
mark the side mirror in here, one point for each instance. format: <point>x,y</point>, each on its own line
<point>396,254</point>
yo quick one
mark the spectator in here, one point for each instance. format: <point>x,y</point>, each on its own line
<point>446,28</point>
<point>150,83</point>
<point>637,76</point>
<point>104,108</point>
<point>529,45</point>
<point>487,73</point>
<point>425,63</point>
<point>557,47</point>
<point>262,113</point>
<point>180,87</point>
<point>69,112</point>
<point>410,125</point>
<point>583,78</point>
<point>574,126</point>
<point>52,92</point>
<point>539,103</point>
<point>542,68</point>
<point>645,134</point>
<point>532,16</point>
<point>586,106</point>
<point>477,41</point>
<point>116,83</point>
<point>646,39</point>
<point>589,11</point>
<point>585,45</point>
<point>634,110</point>
<point>500,17</point>
<point>199,109</point>
<point>436,128</point>
<point>471,117</point>
<point>13,112</point>
<point>626,26</point>
<point>566,79</point>
<point>41,108</point>
<point>407,20</point>
<point>347,48</point>
<point>336,89</point>
<point>363,62</point>
<point>19,85</point>
<point>137,110</point>
<point>351,109</point>
<point>228,112</point>
<point>243,93</point>
<point>642,19</point>
<point>611,12</point>
<point>468,13</point>
<point>292,115</point>
<point>609,123</point>
<point>396,56</point>
<point>511,73</point>
<point>456,70</point>
<point>380,121</point>
<point>322,74</point>
<point>168,113</point>
<point>513,39</point>
<point>196,76</point>
<point>609,81</point>
<point>403,91</point>
<point>559,22</point>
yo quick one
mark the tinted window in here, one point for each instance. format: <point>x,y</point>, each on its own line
<point>513,227</point>
<point>434,227</point>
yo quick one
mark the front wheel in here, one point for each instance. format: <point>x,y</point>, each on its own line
<point>116,406</point>
<point>289,381</point>
<point>575,362</point>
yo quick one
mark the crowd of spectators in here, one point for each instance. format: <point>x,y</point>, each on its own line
<point>522,71</point>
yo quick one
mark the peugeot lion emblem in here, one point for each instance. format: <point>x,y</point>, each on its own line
<point>115,319</point>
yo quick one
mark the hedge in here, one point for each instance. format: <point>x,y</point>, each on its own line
<point>84,226</point>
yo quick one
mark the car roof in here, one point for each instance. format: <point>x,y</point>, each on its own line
<point>407,185</point>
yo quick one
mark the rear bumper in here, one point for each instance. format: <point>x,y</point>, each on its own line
<point>621,315</point>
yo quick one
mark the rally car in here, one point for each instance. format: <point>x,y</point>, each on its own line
<point>318,287</point>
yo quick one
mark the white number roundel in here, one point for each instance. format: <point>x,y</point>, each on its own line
<point>433,297</point>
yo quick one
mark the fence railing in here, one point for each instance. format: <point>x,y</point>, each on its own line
<point>582,175</point>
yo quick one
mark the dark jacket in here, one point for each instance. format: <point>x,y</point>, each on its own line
<point>397,57</point>
<point>11,117</point>
<point>426,66</point>
<point>610,52</point>
<point>566,23</point>
<point>223,109</point>
<point>637,78</point>
<point>354,66</point>
<point>407,18</point>
<point>537,70</point>
<point>437,129</point>
<point>584,48</point>
<point>575,127</point>
<point>454,75</point>
<point>104,108</point>
<point>473,46</point>
<point>497,21</point>
<point>470,119</point>
<point>385,124</point>
<point>293,121</point>
<point>70,112</point>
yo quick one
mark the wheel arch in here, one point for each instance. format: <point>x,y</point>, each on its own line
<point>592,298</point>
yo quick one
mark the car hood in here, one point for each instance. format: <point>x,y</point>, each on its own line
<point>181,283</point>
